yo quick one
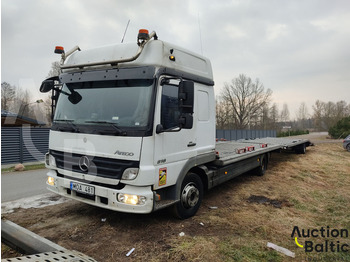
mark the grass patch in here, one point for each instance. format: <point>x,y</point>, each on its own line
<point>230,250</point>
<point>194,249</point>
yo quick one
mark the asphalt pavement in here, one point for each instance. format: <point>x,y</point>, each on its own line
<point>22,184</point>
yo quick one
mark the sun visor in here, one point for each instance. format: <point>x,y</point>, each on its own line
<point>146,72</point>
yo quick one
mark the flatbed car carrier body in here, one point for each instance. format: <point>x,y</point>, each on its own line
<point>134,129</point>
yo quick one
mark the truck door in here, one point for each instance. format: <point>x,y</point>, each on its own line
<point>173,146</point>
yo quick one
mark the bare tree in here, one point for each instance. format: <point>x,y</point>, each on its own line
<point>265,119</point>
<point>274,116</point>
<point>302,115</point>
<point>328,114</point>
<point>7,95</point>
<point>22,102</point>
<point>341,110</point>
<point>318,112</point>
<point>285,113</point>
<point>55,69</point>
<point>246,98</point>
<point>222,115</point>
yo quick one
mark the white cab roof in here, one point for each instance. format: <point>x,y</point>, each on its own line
<point>155,53</point>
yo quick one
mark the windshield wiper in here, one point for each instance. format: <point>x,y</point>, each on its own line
<point>70,122</point>
<point>117,128</point>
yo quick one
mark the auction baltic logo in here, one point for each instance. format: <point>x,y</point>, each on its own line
<point>332,240</point>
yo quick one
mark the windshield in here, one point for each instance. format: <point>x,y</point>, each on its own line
<point>116,105</point>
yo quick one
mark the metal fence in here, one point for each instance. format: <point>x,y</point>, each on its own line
<point>23,144</point>
<point>244,134</point>
<point>26,144</point>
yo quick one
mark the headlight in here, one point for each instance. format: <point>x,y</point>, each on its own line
<point>130,173</point>
<point>131,199</point>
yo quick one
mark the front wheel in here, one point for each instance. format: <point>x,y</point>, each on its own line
<point>348,147</point>
<point>191,196</point>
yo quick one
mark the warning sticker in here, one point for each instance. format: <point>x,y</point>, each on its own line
<point>162,176</point>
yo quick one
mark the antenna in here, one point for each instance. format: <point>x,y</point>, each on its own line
<point>200,34</point>
<point>126,29</point>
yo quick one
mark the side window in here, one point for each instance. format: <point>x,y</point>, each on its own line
<point>170,112</point>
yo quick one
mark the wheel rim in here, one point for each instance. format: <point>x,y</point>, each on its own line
<point>190,195</point>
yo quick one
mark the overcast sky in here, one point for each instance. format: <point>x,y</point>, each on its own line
<point>299,49</point>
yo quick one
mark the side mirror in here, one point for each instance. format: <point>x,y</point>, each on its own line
<point>74,97</point>
<point>186,96</point>
<point>186,121</point>
<point>159,129</point>
<point>47,86</point>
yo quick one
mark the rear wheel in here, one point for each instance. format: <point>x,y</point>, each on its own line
<point>301,149</point>
<point>191,196</point>
<point>261,169</point>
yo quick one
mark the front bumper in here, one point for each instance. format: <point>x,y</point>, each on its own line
<point>104,197</point>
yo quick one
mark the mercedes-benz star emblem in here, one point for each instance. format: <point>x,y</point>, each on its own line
<point>84,163</point>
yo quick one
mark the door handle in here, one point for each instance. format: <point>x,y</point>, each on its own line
<point>191,144</point>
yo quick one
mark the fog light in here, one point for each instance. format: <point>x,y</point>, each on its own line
<point>131,199</point>
<point>51,181</point>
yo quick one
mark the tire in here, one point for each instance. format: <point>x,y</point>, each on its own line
<point>261,170</point>
<point>300,149</point>
<point>348,147</point>
<point>191,196</point>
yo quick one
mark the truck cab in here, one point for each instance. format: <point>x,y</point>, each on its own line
<point>133,126</point>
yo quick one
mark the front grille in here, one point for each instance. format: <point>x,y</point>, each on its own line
<point>98,166</point>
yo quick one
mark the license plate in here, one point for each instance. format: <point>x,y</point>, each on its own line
<point>81,188</point>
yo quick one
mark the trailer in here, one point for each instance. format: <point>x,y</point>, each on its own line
<point>237,157</point>
<point>134,129</point>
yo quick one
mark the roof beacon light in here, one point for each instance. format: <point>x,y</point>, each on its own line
<point>142,37</point>
<point>143,34</point>
<point>59,50</point>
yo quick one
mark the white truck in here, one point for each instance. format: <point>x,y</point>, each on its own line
<point>134,129</point>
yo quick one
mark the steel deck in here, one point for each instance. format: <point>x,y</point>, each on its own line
<point>231,151</point>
